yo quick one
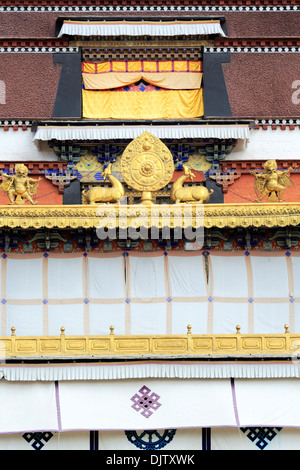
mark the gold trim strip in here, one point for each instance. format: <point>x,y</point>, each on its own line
<point>135,346</point>
<point>153,42</point>
<point>134,216</point>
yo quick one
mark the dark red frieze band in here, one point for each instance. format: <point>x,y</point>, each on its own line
<point>36,167</point>
<point>257,42</point>
<point>34,42</point>
<point>218,42</point>
<point>141,3</point>
<point>244,167</point>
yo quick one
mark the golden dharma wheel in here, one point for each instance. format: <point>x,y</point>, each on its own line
<point>147,165</point>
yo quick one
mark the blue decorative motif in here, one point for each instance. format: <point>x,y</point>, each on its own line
<point>150,440</point>
<point>263,436</point>
<point>35,439</point>
<point>181,153</point>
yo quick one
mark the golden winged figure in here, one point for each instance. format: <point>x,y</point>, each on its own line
<point>19,187</point>
<point>271,182</point>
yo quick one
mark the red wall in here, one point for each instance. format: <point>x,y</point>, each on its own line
<point>260,84</point>
<point>242,190</point>
<point>47,194</point>
<point>31,82</point>
<point>239,24</point>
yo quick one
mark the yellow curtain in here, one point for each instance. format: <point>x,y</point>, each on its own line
<point>161,104</point>
<point>181,97</point>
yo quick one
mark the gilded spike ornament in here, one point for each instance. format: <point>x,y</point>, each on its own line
<point>271,182</point>
<point>19,187</point>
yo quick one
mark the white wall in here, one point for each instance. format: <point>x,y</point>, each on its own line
<point>19,146</point>
<point>263,145</point>
<point>269,144</point>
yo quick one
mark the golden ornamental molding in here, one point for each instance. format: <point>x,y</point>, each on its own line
<point>137,346</point>
<point>158,216</point>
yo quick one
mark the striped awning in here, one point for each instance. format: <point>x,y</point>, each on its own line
<point>141,28</point>
<point>99,132</point>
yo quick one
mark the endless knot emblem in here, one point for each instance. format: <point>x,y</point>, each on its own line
<point>35,439</point>
<point>145,401</point>
<point>262,435</point>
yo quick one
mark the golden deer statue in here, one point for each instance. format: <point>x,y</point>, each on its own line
<point>100,194</point>
<point>180,194</point>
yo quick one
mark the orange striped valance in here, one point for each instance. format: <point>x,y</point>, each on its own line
<point>171,74</point>
<point>153,66</point>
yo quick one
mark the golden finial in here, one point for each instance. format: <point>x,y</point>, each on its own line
<point>112,328</point>
<point>62,330</point>
<point>238,329</point>
<point>286,327</point>
<point>189,329</point>
<point>13,331</point>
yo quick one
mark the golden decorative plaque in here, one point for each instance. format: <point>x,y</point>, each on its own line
<point>147,165</point>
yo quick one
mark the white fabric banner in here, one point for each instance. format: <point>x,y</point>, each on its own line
<point>139,404</point>
<point>46,441</point>
<point>154,404</point>
<point>255,290</point>
<point>147,293</point>
<point>30,406</point>
<point>187,276</point>
<point>255,439</point>
<point>272,402</point>
<point>147,280</point>
<point>87,293</point>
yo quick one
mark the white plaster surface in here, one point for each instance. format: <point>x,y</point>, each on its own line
<point>269,144</point>
<point>263,145</point>
<point>19,146</point>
